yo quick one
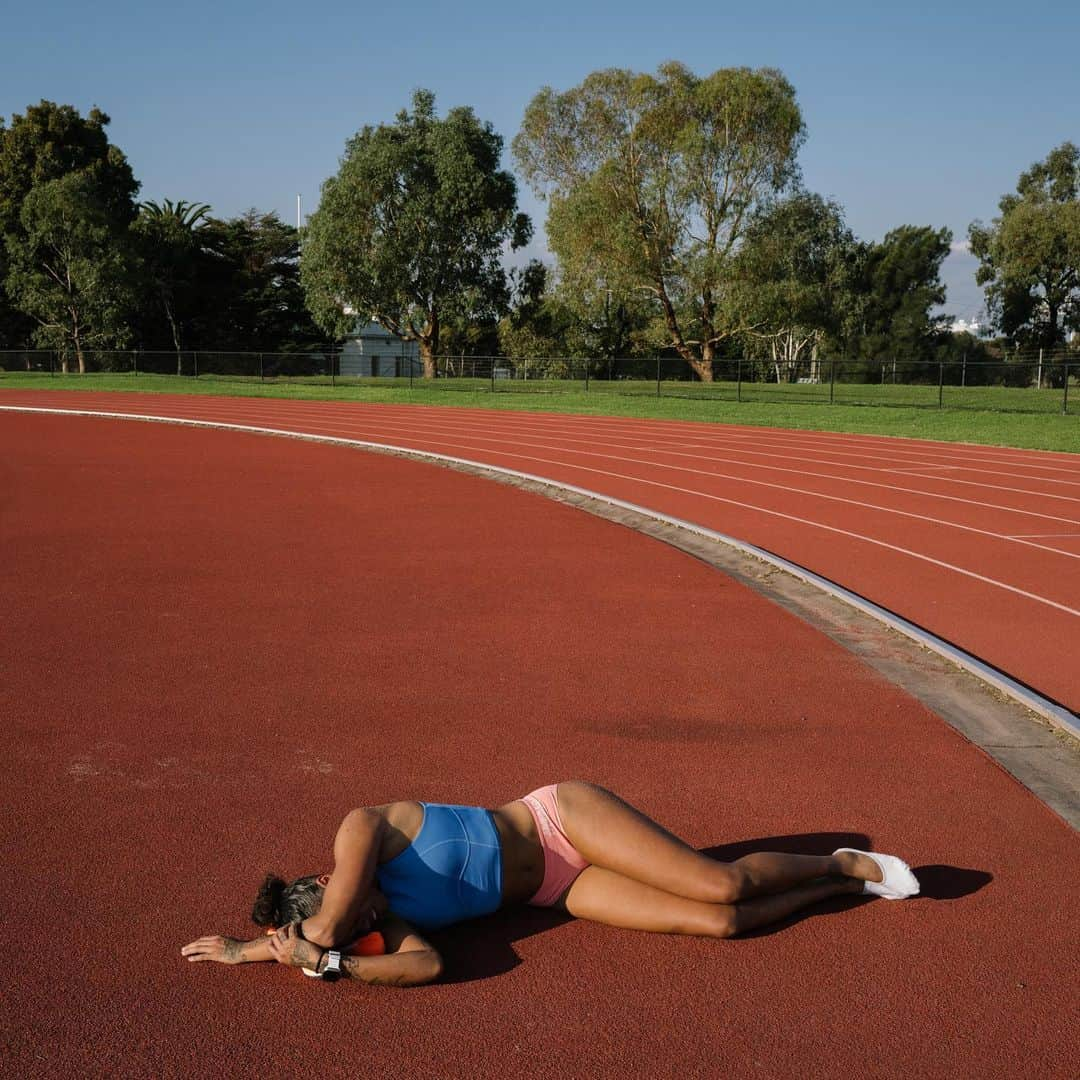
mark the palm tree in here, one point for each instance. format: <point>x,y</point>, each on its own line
<point>169,231</point>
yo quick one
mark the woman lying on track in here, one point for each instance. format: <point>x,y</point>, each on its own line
<point>572,846</point>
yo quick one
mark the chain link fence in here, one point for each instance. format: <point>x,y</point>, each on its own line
<point>1022,382</point>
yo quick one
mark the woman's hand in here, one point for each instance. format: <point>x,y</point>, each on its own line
<point>225,950</point>
<point>288,947</point>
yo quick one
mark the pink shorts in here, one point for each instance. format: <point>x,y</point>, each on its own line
<point>562,861</point>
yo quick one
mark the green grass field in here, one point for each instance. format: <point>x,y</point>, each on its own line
<point>982,415</point>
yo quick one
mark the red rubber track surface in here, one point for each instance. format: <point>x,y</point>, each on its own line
<point>214,644</point>
<point>979,545</point>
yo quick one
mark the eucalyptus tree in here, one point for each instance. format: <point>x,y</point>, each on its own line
<point>1030,254</point>
<point>66,202</point>
<point>70,271</point>
<point>652,180</point>
<point>791,274</point>
<point>411,230</point>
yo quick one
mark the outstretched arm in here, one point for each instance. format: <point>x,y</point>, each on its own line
<point>356,851</point>
<point>228,950</point>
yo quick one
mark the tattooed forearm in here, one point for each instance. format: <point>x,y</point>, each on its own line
<point>364,973</point>
<point>395,969</point>
<point>307,955</point>
<point>233,951</point>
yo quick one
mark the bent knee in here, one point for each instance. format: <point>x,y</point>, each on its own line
<point>732,883</point>
<point>723,922</point>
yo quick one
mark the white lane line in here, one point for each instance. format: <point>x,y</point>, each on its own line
<point>398,430</point>
<point>429,425</point>
<point>439,432</point>
<point>500,422</point>
<point>916,459</point>
<point>924,469</point>
<point>580,468</point>
<point>817,441</point>
<point>1045,536</point>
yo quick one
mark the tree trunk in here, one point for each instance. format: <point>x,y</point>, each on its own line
<point>429,344</point>
<point>701,368</point>
<point>79,354</point>
<point>175,336</point>
<point>427,357</point>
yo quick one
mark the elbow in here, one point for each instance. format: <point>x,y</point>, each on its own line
<point>432,969</point>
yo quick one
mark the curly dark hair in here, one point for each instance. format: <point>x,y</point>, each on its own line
<point>279,903</point>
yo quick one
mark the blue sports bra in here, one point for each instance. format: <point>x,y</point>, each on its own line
<point>452,870</point>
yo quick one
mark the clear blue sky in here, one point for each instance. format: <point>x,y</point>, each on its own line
<point>925,114</point>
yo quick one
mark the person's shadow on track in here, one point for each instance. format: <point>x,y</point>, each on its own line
<point>484,948</point>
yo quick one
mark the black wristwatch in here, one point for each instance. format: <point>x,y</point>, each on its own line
<point>332,971</point>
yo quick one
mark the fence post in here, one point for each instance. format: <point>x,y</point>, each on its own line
<point>657,376</point>
<point>52,363</point>
<point>195,363</point>
<point>940,382</point>
<point>963,369</point>
<point>135,361</point>
<point>333,374</point>
<point>493,374</point>
<point>586,375</point>
<point>1065,395</point>
<point>832,380</point>
<point>1038,378</point>
<point>260,367</point>
<point>411,370</point>
<point>738,379</point>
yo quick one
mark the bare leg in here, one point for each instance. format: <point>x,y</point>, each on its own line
<point>606,897</point>
<point>612,834</point>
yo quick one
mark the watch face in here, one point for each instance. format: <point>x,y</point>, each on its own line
<point>332,972</point>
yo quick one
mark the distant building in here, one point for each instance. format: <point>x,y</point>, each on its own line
<point>373,351</point>
<point>967,326</point>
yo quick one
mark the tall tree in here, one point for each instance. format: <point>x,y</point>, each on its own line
<point>167,240</point>
<point>411,229</point>
<point>70,270</point>
<point>247,294</point>
<point>790,275</point>
<point>83,202</point>
<point>1030,254</point>
<point>652,181</point>
<point>893,288</point>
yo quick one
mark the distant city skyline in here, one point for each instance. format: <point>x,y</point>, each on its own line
<point>922,118</point>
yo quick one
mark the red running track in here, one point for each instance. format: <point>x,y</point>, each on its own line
<point>214,644</point>
<point>979,545</point>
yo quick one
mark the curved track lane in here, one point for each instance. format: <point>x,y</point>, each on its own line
<point>214,644</point>
<point>978,545</point>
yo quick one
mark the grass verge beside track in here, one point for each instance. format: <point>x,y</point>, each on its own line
<point>992,428</point>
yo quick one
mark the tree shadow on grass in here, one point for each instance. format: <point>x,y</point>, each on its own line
<point>484,948</point>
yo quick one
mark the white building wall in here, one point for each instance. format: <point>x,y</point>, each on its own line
<point>374,351</point>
